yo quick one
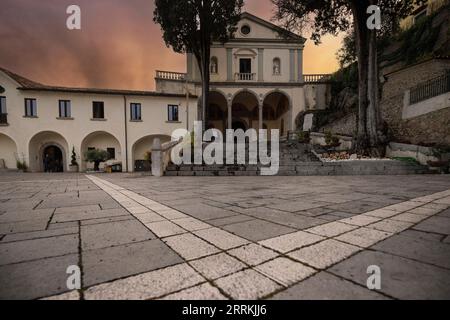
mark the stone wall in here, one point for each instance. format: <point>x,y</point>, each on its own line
<point>344,126</point>
<point>429,128</point>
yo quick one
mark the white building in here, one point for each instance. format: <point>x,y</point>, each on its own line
<point>257,81</point>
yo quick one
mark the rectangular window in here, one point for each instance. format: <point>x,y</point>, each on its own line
<point>64,109</point>
<point>111,153</point>
<point>173,113</point>
<point>3,113</point>
<point>98,110</point>
<point>135,112</point>
<point>30,108</point>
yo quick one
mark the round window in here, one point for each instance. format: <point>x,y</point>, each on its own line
<point>245,30</point>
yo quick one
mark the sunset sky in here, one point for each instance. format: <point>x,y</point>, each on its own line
<point>118,46</point>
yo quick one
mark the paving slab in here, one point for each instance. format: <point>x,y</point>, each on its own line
<point>435,224</point>
<point>256,230</point>
<point>325,286</point>
<point>324,254</point>
<point>217,266</point>
<point>35,279</point>
<point>400,278</point>
<point>110,234</point>
<point>148,285</point>
<point>220,238</point>
<point>247,285</point>
<point>190,247</point>
<point>202,292</point>
<point>291,241</point>
<point>285,271</point>
<point>253,254</point>
<point>108,264</point>
<point>27,250</point>
<point>431,252</point>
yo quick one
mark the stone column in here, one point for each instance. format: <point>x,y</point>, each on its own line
<point>230,113</point>
<point>300,64</point>
<point>157,159</point>
<point>260,112</point>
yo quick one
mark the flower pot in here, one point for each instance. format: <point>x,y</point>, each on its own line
<point>73,168</point>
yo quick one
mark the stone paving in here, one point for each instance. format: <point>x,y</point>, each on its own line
<point>137,237</point>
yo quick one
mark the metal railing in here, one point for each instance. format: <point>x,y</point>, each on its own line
<point>430,89</point>
<point>168,75</point>
<point>317,78</point>
<point>245,76</point>
<point>3,118</point>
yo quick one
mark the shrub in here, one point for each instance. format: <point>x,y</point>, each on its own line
<point>22,166</point>
<point>74,158</point>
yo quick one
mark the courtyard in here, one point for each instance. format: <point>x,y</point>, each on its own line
<point>139,237</point>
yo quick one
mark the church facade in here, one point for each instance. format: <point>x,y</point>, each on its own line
<point>257,81</point>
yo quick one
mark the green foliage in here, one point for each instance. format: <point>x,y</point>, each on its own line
<point>73,161</point>
<point>96,156</point>
<point>22,166</point>
<point>303,137</point>
<point>406,159</point>
<point>417,42</point>
<point>331,140</point>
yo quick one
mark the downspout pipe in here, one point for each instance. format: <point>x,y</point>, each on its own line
<point>126,131</point>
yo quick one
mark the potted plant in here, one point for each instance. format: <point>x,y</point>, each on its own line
<point>73,167</point>
<point>304,137</point>
<point>96,156</point>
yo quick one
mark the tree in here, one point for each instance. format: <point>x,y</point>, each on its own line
<point>334,16</point>
<point>96,156</point>
<point>192,26</point>
<point>73,158</point>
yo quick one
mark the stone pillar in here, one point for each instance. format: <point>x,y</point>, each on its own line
<point>291,65</point>
<point>230,113</point>
<point>229,64</point>
<point>300,65</point>
<point>157,158</point>
<point>260,65</point>
<point>260,112</point>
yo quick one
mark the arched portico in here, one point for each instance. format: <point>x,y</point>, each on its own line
<point>244,110</point>
<point>217,112</point>
<point>104,141</point>
<point>141,151</point>
<point>8,152</point>
<point>277,109</point>
<point>48,151</point>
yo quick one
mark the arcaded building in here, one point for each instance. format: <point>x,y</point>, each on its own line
<point>257,81</point>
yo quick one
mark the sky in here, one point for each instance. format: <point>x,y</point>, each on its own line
<point>118,47</point>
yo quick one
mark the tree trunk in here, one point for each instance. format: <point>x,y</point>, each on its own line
<point>96,165</point>
<point>374,124</point>
<point>362,48</point>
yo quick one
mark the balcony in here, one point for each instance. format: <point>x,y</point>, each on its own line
<point>168,75</point>
<point>317,78</point>
<point>245,76</point>
<point>3,118</point>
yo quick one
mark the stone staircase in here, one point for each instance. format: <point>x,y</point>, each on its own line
<point>298,159</point>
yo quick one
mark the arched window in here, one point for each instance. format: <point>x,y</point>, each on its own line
<point>214,65</point>
<point>276,66</point>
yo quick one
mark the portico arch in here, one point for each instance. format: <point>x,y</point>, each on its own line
<point>104,141</point>
<point>277,109</point>
<point>8,152</point>
<point>141,151</point>
<point>245,109</point>
<point>41,158</point>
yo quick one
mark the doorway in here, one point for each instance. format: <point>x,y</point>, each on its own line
<point>52,158</point>
<point>245,66</point>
